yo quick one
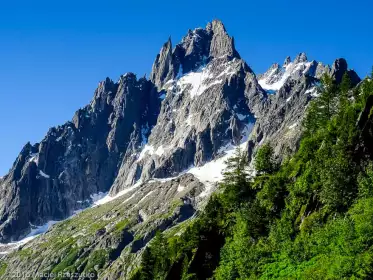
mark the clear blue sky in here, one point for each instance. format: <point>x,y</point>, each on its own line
<point>54,53</point>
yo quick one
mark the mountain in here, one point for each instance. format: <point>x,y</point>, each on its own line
<point>145,155</point>
<point>275,77</point>
<point>51,179</point>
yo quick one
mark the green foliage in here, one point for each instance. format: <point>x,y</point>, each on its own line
<point>316,231</point>
<point>310,218</point>
<point>67,261</point>
<point>121,225</point>
<point>3,267</point>
<point>155,262</point>
<point>365,182</point>
<point>25,253</point>
<point>236,183</point>
<point>98,259</point>
<point>195,254</point>
<point>264,160</point>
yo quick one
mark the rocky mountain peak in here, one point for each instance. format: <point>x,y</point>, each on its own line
<point>275,77</point>
<point>300,58</point>
<point>339,68</point>
<point>287,61</point>
<point>196,49</point>
<point>222,44</point>
<point>163,64</point>
<point>274,66</point>
<point>59,175</point>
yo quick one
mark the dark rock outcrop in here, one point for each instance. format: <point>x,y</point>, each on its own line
<point>339,68</point>
<point>51,179</point>
<point>365,125</point>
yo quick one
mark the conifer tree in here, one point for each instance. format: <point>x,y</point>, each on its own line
<point>264,161</point>
<point>343,95</point>
<point>236,182</point>
<point>147,265</point>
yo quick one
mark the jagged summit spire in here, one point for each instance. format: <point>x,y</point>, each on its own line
<point>287,61</point>
<point>302,57</point>
<point>339,68</point>
<point>162,64</point>
<point>197,47</point>
<point>216,23</point>
<point>221,43</point>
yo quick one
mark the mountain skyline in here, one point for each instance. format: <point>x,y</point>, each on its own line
<point>201,99</point>
<point>71,59</point>
<point>202,150</point>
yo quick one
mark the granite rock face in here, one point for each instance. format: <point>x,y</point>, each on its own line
<point>53,178</point>
<point>290,88</point>
<point>196,49</point>
<point>205,107</point>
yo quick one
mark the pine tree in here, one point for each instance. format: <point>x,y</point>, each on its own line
<point>147,265</point>
<point>236,182</point>
<point>236,171</point>
<point>322,109</point>
<point>264,160</point>
<point>326,101</point>
<point>159,251</point>
<point>343,95</point>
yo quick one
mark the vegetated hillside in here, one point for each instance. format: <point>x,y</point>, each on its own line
<point>309,218</point>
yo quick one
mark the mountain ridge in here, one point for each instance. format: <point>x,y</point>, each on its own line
<point>201,98</point>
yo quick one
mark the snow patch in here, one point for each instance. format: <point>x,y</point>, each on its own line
<point>97,196</point>
<point>107,198</point>
<point>212,172</point>
<point>313,91</point>
<point>189,120</point>
<point>6,248</point>
<point>149,150</point>
<point>43,174</point>
<point>160,151</point>
<point>146,150</point>
<point>293,125</point>
<point>34,158</point>
<point>142,199</point>
<point>180,188</point>
<point>163,180</point>
<point>198,81</point>
<point>267,82</point>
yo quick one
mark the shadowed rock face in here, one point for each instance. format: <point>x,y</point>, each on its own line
<point>339,68</point>
<point>365,124</point>
<point>51,179</point>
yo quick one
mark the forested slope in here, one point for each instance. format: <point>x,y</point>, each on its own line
<point>310,217</point>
